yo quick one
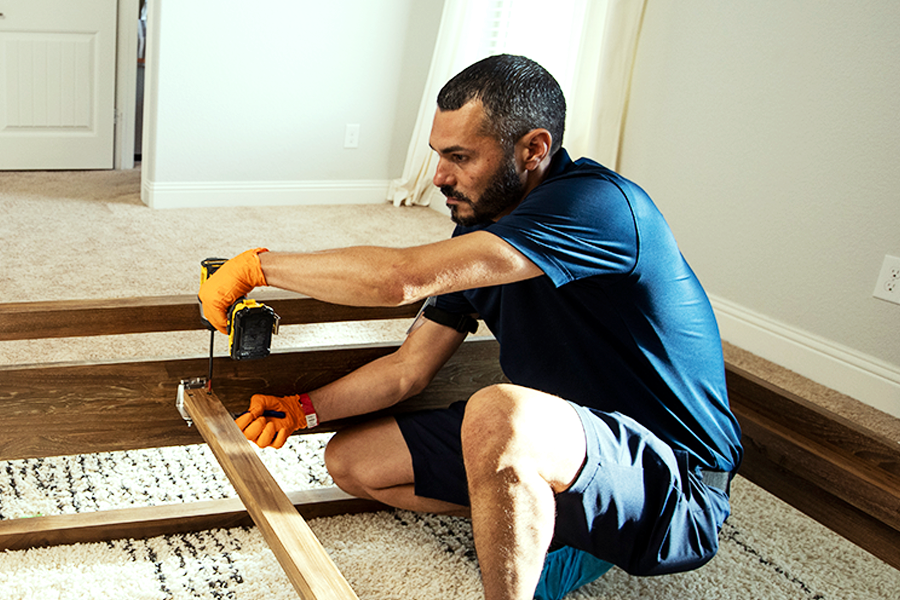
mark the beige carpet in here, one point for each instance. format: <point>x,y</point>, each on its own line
<point>768,550</point>
<point>87,235</point>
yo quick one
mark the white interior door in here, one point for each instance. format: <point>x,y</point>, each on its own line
<point>57,84</point>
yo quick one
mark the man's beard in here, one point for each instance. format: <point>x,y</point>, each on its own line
<point>504,191</point>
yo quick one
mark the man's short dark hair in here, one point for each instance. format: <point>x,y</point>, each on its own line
<point>518,96</point>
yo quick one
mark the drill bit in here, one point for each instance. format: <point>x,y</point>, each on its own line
<point>212,339</point>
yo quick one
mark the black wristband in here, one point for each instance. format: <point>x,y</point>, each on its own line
<point>461,323</point>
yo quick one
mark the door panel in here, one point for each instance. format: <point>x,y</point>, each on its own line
<point>57,84</point>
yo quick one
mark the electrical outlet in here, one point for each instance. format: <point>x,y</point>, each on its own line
<point>888,285</point>
<point>351,136</point>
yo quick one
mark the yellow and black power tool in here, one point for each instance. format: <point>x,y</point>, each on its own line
<point>251,324</point>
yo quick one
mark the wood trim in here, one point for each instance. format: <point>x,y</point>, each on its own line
<point>82,318</point>
<point>769,462</point>
<point>835,471</point>
<point>811,420</point>
<point>85,408</point>
<point>150,521</point>
<point>858,482</point>
<point>852,523</point>
<point>301,555</point>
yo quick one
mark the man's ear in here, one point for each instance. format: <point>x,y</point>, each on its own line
<point>535,146</point>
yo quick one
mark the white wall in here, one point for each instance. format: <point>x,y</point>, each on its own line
<point>248,104</point>
<point>768,133</point>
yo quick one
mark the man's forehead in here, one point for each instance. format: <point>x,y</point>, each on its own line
<point>459,130</point>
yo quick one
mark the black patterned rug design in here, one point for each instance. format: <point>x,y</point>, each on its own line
<point>768,550</point>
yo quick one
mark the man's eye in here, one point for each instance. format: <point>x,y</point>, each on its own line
<point>459,158</point>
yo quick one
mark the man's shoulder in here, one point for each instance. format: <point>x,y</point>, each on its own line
<point>578,182</point>
<point>564,168</point>
<point>591,181</point>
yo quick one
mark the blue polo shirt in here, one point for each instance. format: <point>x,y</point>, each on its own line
<point>618,322</point>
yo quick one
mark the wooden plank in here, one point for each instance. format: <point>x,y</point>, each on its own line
<point>857,482</point>
<point>85,408</point>
<point>832,469</point>
<point>150,521</point>
<point>813,421</point>
<point>834,454</point>
<point>296,547</point>
<point>75,318</point>
<point>846,520</point>
<point>82,318</point>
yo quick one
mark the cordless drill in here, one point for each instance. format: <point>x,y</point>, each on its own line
<point>250,324</point>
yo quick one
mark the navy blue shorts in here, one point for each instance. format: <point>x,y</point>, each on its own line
<point>636,503</point>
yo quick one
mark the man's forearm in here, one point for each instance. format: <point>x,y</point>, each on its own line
<point>377,276</point>
<point>389,379</point>
<point>360,276</point>
<point>372,387</point>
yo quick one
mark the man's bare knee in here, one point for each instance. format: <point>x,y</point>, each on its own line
<point>370,458</point>
<point>340,463</point>
<point>510,427</point>
<point>494,415</point>
<point>490,429</point>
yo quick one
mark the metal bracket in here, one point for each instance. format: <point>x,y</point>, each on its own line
<point>187,384</point>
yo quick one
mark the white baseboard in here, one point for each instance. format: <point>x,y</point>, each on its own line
<point>838,367</point>
<point>261,193</point>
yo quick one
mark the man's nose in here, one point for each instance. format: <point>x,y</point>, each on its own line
<point>442,175</point>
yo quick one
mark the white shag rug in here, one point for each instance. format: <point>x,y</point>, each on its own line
<point>769,550</point>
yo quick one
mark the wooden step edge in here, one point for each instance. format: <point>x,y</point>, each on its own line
<point>150,521</point>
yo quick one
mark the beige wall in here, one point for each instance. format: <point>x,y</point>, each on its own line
<point>768,132</point>
<point>248,103</point>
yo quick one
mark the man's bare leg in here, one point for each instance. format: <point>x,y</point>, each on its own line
<point>520,447</point>
<point>372,461</point>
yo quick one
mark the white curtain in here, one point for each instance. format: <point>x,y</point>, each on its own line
<point>599,101</point>
<point>588,45</point>
<point>465,36</point>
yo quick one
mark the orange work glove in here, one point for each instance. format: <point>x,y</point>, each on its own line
<point>231,281</point>
<point>271,419</point>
